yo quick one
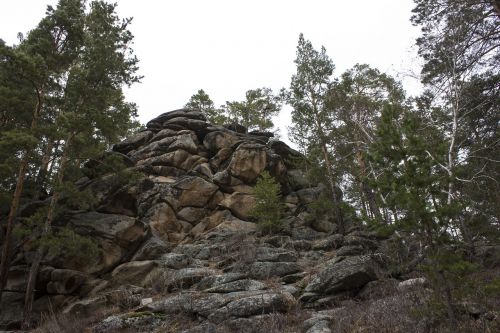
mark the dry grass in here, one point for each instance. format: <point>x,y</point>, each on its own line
<point>241,251</point>
<point>390,314</point>
<point>64,323</point>
<point>290,322</point>
<point>411,312</point>
<point>159,283</point>
<point>177,323</point>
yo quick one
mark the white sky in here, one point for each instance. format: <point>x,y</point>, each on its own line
<point>227,47</point>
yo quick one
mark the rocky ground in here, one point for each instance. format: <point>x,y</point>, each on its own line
<point>180,253</point>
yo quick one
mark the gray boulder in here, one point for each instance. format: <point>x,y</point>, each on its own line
<point>345,273</point>
<point>133,142</point>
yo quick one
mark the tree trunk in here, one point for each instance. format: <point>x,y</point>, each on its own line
<point>367,190</point>
<point>336,200</point>
<point>363,202</point>
<point>449,302</point>
<point>30,288</point>
<point>496,6</point>
<point>43,171</point>
<point>6,247</point>
<point>331,177</point>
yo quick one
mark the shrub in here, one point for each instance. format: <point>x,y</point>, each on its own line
<point>268,208</point>
<point>71,246</point>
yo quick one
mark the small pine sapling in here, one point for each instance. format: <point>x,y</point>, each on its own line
<point>268,208</point>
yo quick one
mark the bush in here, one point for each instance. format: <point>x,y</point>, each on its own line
<point>70,246</point>
<point>268,208</point>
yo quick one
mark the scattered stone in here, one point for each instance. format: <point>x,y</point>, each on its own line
<point>146,301</point>
<point>265,302</point>
<point>186,277</point>
<point>265,270</point>
<point>410,283</point>
<point>133,272</point>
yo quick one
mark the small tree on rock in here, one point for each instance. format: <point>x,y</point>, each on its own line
<point>268,208</point>
<point>202,102</point>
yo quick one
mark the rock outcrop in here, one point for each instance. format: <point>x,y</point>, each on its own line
<point>180,240</point>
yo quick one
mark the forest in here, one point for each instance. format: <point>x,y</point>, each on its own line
<point>422,171</point>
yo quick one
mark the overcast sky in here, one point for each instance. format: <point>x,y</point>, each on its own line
<point>227,47</point>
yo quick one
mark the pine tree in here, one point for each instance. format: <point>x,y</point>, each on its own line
<point>39,62</point>
<point>268,208</point>
<point>356,103</point>
<point>415,192</point>
<point>201,101</point>
<point>460,48</point>
<point>256,111</point>
<point>312,121</point>
<point>90,113</point>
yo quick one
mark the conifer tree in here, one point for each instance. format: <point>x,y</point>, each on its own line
<point>415,191</point>
<point>39,62</point>
<point>268,208</point>
<point>356,102</point>
<point>91,112</point>
<point>312,121</point>
<point>460,46</point>
<point>256,111</point>
<point>201,101</point>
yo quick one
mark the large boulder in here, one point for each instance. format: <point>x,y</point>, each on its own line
<point>266,269</point>
<point>118,237</point>
<point>240,204</point>
<point>222,156</point>
<point>195,191</point>
<point>200,127</point>
<point>192,214</point>
<point>219,307</point>
<point>152,248</point>
<point>217,140</point>
<point>186,277</point>
<point>185,140</point>
<point>157,122</point>
<point>65,281</point>
<point>133,142</point>
<point>164,223</point>
<point>133,272</point>
<point>346,273</point>
<point>261,303</point>
<point>180,159</point>
<point>248,161</point>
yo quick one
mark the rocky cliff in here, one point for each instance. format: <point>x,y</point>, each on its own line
<point>178,251</point>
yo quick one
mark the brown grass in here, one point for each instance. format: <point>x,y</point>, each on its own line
<point>64,323</point>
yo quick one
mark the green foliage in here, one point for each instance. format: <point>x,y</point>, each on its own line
<point>408,177</point>
<point>461,69</point>
<point>322,206</point>
<point>268,208</point>
<point>126,177</point>
<point>105,164</point>
<point>75,198</point>
<point>63,242</point>
<point>355,103</point>
<point>465,31</point>
<point>307,95</point>
<point>201,101</point>
<point>493,288</point>
<point>256,111</point>
<point>30,227</point>
<point>71,246</point>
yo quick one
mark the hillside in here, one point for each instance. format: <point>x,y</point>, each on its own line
<point>178,250</point>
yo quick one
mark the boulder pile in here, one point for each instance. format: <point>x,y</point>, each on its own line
<point>178,247</point>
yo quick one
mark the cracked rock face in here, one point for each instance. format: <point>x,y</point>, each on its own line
<point>182,238</point>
